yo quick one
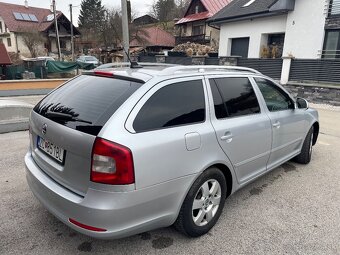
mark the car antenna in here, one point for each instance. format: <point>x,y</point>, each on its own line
<point>133,64</point>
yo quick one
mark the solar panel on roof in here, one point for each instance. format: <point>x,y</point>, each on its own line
<point>33,17</point>
<point>26,17</point>
<point>18,16</point>
<point>50,17</point>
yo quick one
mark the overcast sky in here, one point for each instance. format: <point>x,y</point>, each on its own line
<point>139,7</point>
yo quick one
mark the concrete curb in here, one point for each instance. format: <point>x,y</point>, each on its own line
<point>14,115</point>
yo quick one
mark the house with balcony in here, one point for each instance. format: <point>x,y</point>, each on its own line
<point>18,19</point>
<point>300,29</point>
<point>193,26</point>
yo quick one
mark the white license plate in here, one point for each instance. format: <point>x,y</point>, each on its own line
<point>51,149</point>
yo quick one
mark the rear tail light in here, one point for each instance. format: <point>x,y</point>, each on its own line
<point>111,163</point>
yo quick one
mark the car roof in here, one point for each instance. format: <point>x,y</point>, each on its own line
<point>147,71</point>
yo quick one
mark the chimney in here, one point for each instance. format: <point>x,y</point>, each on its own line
<point>26,3</point>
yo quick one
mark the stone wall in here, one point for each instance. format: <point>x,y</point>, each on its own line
<point>316,94</point>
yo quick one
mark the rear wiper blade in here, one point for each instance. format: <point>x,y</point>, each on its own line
<point>65,116</point>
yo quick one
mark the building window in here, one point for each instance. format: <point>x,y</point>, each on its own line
<point>184,29</point>
<point>248,3</point>
<point>62,44</point>
<point>275,45</point>
<point>198,29</point>
<point>331,47</point>
<point>334,7</point>
<point>196,7</point>
<point>9,42</point>
<point>0,27</point>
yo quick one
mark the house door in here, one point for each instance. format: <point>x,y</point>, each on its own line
<point>240,47</point>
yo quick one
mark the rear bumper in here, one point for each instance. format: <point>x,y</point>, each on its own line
<point>120,213</point>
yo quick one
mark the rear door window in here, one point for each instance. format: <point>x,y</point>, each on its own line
<point>233,97</point>
<point>177,104</point>
<point>86,102</point>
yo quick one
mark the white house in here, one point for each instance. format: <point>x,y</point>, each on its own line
<point>304,29</point>
<point>16,19</point>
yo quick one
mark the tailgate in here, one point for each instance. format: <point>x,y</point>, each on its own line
<point>74,172</point>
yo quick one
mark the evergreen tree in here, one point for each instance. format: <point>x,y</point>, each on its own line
<point>91,15</point>
<point>165,9</point>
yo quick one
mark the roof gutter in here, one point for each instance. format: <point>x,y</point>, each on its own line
<point>213,26</point>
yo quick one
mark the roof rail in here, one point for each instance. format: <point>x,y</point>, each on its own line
<point>204,68</point>
<point>128,64</point>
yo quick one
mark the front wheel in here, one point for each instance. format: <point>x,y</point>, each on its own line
<point>203,204</point>
<point>307,149</point>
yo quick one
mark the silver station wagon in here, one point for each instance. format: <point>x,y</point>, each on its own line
<point>125,150</point>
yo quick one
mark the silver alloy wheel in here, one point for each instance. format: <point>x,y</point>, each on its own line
<point>206,202</point>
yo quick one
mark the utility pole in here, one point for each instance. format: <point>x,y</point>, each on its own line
<point>125,26</point>
<point>72,36</point>
<point>56,30</point>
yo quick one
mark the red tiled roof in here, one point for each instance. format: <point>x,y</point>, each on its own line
<point>6,12</point>
<point>194,17</point>
<point>4,57</point>
<point>154,36</point>
<point>212,6</point>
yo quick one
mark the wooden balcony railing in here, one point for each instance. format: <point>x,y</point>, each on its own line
<point>202,39</point>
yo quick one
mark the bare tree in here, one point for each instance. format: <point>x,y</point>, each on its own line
<point>33,40</point>
<point>153,9</point>
<point>112,29</point>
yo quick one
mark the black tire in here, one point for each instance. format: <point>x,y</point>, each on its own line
<point>307,148</point>
<point>185,222</point>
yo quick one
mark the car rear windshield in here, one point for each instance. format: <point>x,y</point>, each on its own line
<point>86,102</point>
<point>90,59</point>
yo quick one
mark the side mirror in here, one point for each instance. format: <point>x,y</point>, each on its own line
<point>302,103</point>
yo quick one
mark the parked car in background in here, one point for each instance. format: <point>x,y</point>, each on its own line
<point>88,60</point>
<point>43,60</point>
<point>142,148</point>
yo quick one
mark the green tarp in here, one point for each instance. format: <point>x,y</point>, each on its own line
<point>64,67</point>
<point>14,72</point>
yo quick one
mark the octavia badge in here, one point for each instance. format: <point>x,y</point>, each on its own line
<point>44,129</point>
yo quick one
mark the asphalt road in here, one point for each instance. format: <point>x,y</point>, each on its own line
<point>295,209</point>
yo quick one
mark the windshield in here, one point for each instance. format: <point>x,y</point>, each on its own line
<point>86,102</point>
<point>90,59</point>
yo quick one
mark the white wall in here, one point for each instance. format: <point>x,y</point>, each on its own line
<point>256,29</point>
<point>25,51</point>
<point>6,34</point>
<point>305,29</point>
<point>13,46</point>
